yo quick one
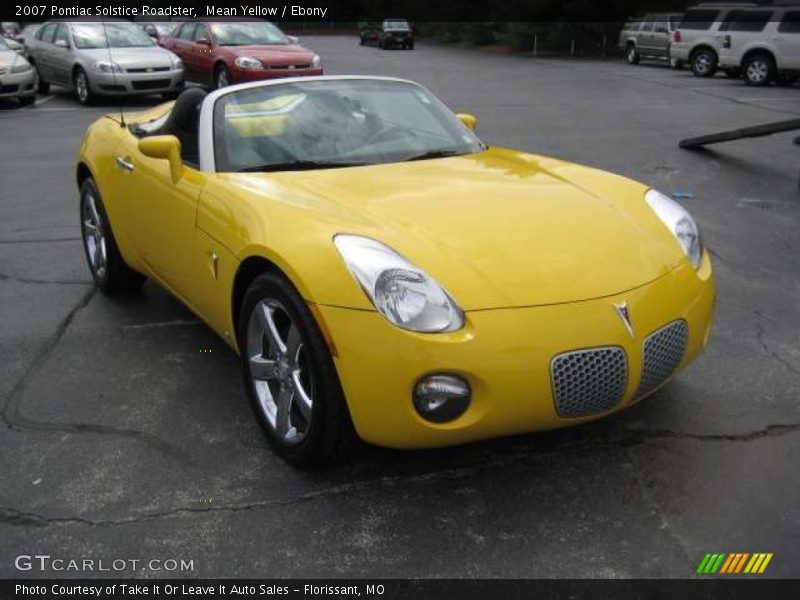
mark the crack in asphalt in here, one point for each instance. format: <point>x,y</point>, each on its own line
<point>15,420</point>
<point>760,336</point>
<point>15,517</point>
<point>31,280</point>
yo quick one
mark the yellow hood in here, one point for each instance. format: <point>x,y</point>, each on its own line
<point>504,229</point>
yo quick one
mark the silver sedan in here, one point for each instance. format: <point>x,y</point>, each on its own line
<point>96,58</point>
<point>17,77</point>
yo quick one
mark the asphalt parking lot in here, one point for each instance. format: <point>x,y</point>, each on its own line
<point>126,433</point>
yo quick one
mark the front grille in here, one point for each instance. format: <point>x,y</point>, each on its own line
<point>147,70</point>
<point>663,351</point>
<point>288,67</point>
<point>587,382</point>
<point>151,84</point>
<point>8,89</point>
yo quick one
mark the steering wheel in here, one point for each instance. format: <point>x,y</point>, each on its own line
<point>384,131</point>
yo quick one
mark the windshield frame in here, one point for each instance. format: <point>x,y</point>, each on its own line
<point>207,158</point>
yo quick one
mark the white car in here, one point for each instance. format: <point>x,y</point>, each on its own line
<point>765,44</point>
<point>698,39</point>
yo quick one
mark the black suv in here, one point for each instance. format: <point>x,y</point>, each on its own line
<point>390,33</point>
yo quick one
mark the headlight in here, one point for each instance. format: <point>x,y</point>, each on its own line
<point>248,62</point>
<point>177,63</point>
<point>403,293</point>
<point>21,66</point>
<point>105,66</point>
<point>679,222</point>
<point>316,61</point>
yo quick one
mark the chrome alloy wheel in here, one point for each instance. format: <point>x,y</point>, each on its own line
<point>94,238</point>
<point>758,70</point>
<point>82,86</point>
<point>223,79</point>
<point>280,370</point>
<point>703,63</point>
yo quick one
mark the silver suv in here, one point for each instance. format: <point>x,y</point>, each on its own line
<point>97,58</point>
<point>648,37</point>
<point>765,44</point>
<point>699,37</point>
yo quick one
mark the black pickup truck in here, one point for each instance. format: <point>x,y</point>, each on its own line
<point>391,33</point>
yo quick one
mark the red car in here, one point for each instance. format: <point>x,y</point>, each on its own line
<point>220,53</point>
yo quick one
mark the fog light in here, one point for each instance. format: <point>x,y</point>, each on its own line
<point>441,398</point>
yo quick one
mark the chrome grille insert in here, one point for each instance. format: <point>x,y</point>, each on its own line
<point>587,382</point>
<point>663,351</point>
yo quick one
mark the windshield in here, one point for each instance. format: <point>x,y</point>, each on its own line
<point>164,28</point>
<point>116,35</point>
<point>247,34</point>
<point>399,25</point>
<point>334,123</point>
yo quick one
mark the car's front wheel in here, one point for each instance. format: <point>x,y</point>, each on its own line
<point>631,55</point>
<point>704,63</point>
<point>289,375</point>
<point>80,82</point>
<point>27,100</point>
<point>222,77</point>
<point>109,270</point>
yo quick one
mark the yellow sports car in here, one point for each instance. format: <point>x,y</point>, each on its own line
<point>384,274</point>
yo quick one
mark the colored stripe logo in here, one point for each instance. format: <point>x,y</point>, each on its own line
<point>737,562</point>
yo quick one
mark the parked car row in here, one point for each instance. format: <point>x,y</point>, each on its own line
<point>120,58</point>
<point>760,44</point>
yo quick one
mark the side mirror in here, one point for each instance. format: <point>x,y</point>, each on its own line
<point>293,39</point>
<point>166,147</point>
<point>61,44</point>
<point>469,121</point>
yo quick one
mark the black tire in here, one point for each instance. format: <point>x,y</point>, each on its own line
<point>116,277</point>
<point>410,45</point>
<point>27,100</point>
<point>631,54</point>
<point>361,40</point>
<point>381,44</point>
<point>675,64</point>
<point>329,437</point>
<point>759,70</point>
<point>82,87</point>
<point>704,62</point>
<point>41,85</point>
<point>222,77</point>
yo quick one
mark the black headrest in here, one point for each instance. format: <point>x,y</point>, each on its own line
<point>186,111</point>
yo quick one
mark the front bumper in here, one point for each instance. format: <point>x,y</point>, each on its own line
<point>505,354</point>
<point>130,84</point>
<point>245,75</point>
<point>16,85</point>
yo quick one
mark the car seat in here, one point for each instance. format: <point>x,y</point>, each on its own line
<point>184,123</point>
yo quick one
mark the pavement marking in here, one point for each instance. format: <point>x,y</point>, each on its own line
<point>159,324</point>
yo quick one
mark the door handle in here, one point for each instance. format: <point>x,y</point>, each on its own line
<point>124,164</point>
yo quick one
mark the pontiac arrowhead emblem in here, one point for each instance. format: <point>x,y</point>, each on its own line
<point>625,315</point>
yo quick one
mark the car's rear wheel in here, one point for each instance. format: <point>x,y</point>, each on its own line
<point>759,70</point>
<point>222,77</point>
<point>704,63</point>
<point>410,45</point>
<point>80,83</point>
<point>631,55</point>
<point>676,64</point>
<point>41,85</point>
<point>290,377</point>
<point>109,270</point>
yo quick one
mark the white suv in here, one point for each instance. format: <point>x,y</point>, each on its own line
<point>765,44</point>
<point>698,40</point>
